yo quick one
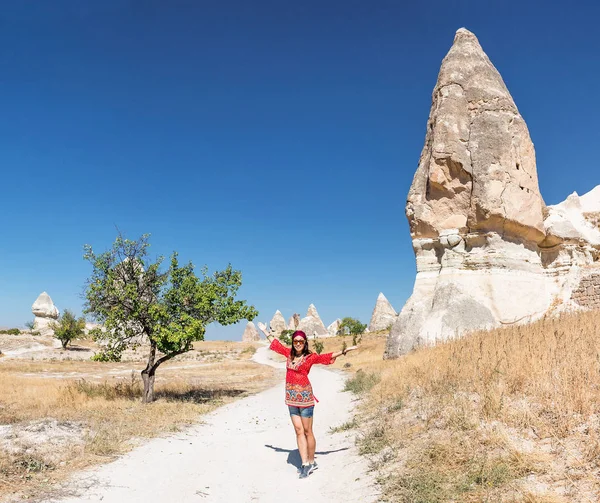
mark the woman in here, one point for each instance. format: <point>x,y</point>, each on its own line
<point>298,392</point>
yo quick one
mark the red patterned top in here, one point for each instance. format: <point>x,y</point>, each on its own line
<point>298,391</point>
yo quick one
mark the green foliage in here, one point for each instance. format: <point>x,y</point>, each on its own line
<point>30,325</point>
<point>68,328</point>
<point>135,300</point>
<point>11,331</point>
<point>353,327</point>
<point>286,337</point>
<point>318,345</point>
<point>361,382</point>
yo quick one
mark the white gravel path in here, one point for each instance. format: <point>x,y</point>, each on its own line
<point>244,452</point>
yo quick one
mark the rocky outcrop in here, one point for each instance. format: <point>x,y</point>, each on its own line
<point>250,333</point>
<point>311,324</point>
<point>45,312</point>
<point>294,322</point>
<point>332,330</point>
<point>384,315</point>
<point>485,254</point>
<point>277,324</point>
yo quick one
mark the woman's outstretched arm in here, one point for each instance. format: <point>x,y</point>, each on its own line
<point>275,344</point>
<point>340,353</point>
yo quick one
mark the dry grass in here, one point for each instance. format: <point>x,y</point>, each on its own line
<point>98,414</point>
<point>506,415</point>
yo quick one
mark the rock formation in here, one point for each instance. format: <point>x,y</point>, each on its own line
<point>277,324</point>
<point>45,312</point>
<point>250,333</point>
<point>384,315</point>
<point>294,322</point>
<point>311,324</point>
<point>332,329</point>
<point>485,254</point>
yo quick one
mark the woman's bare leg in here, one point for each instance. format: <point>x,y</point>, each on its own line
<point>300,438</point>
<point>311,442</point>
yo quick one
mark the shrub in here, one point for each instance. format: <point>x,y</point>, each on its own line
<point>11,331</point>
<point>361,382</point>
<point>286,337</point>
<point>318,346</point>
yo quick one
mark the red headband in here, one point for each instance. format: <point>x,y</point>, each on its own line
<point>299,333</point>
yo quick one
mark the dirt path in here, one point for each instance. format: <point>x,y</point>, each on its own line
<point>245,452</point>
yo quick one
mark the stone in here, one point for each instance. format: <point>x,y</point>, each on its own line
<point>477,169</point>
<point>44,307</point>
<point>311,324</point>
<point>488,251</point>
<point>384,315</point>
<point>250,333</point>
<point>294,322</point>
<point>332,330</point>
<point>45,313</point>
<point>277,324</point>
<point>569,220</point>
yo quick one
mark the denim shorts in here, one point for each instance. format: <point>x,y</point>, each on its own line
<point>301,411</point>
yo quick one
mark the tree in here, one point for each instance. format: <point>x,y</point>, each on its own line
<point>353,327</point>
<point>68,328</point>
<point>286,336</point>
<point>137,302</point>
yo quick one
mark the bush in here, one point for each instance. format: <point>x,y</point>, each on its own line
<point>286,337</point>
<point>11,331</point>
<point>361,382</point>
<point>318,346</point>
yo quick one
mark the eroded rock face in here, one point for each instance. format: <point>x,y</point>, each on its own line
<point>44,307</point>
<point>477,170</point>
<point>312,324</point>
<point>250,333</point>
<point>333,328</point>
<point>384,315</point>
<point>294,322</point>
<point>277,324</point>
<point>45,313</point>
<point>485,255</point>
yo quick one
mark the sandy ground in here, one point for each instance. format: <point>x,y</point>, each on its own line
<point>243,452</point>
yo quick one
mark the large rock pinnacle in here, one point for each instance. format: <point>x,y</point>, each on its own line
<point>477,170</point>
<point>485,256</point>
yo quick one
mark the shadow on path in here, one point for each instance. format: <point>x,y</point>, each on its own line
<point>294,455</point>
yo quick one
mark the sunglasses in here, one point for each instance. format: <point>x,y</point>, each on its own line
<point>299,341</point>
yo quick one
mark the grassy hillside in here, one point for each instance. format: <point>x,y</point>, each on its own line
<point>501,416</point>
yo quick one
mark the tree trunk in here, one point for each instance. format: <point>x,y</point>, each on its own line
<point>148,378</point>
<point>148,375</point>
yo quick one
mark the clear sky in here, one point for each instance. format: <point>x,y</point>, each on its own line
<point>279,136</point>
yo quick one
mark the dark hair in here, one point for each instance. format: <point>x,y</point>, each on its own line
<point>305,350</point>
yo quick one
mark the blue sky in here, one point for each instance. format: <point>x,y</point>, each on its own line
<point>279,136</point>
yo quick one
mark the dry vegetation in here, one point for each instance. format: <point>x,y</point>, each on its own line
<point>61,414</point>
<point>510,415</point>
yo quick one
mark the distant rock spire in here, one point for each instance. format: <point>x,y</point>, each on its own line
<point>277,324</point>
<point>250,333</point>
<point>383,315</point>
<point>312,324</point>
